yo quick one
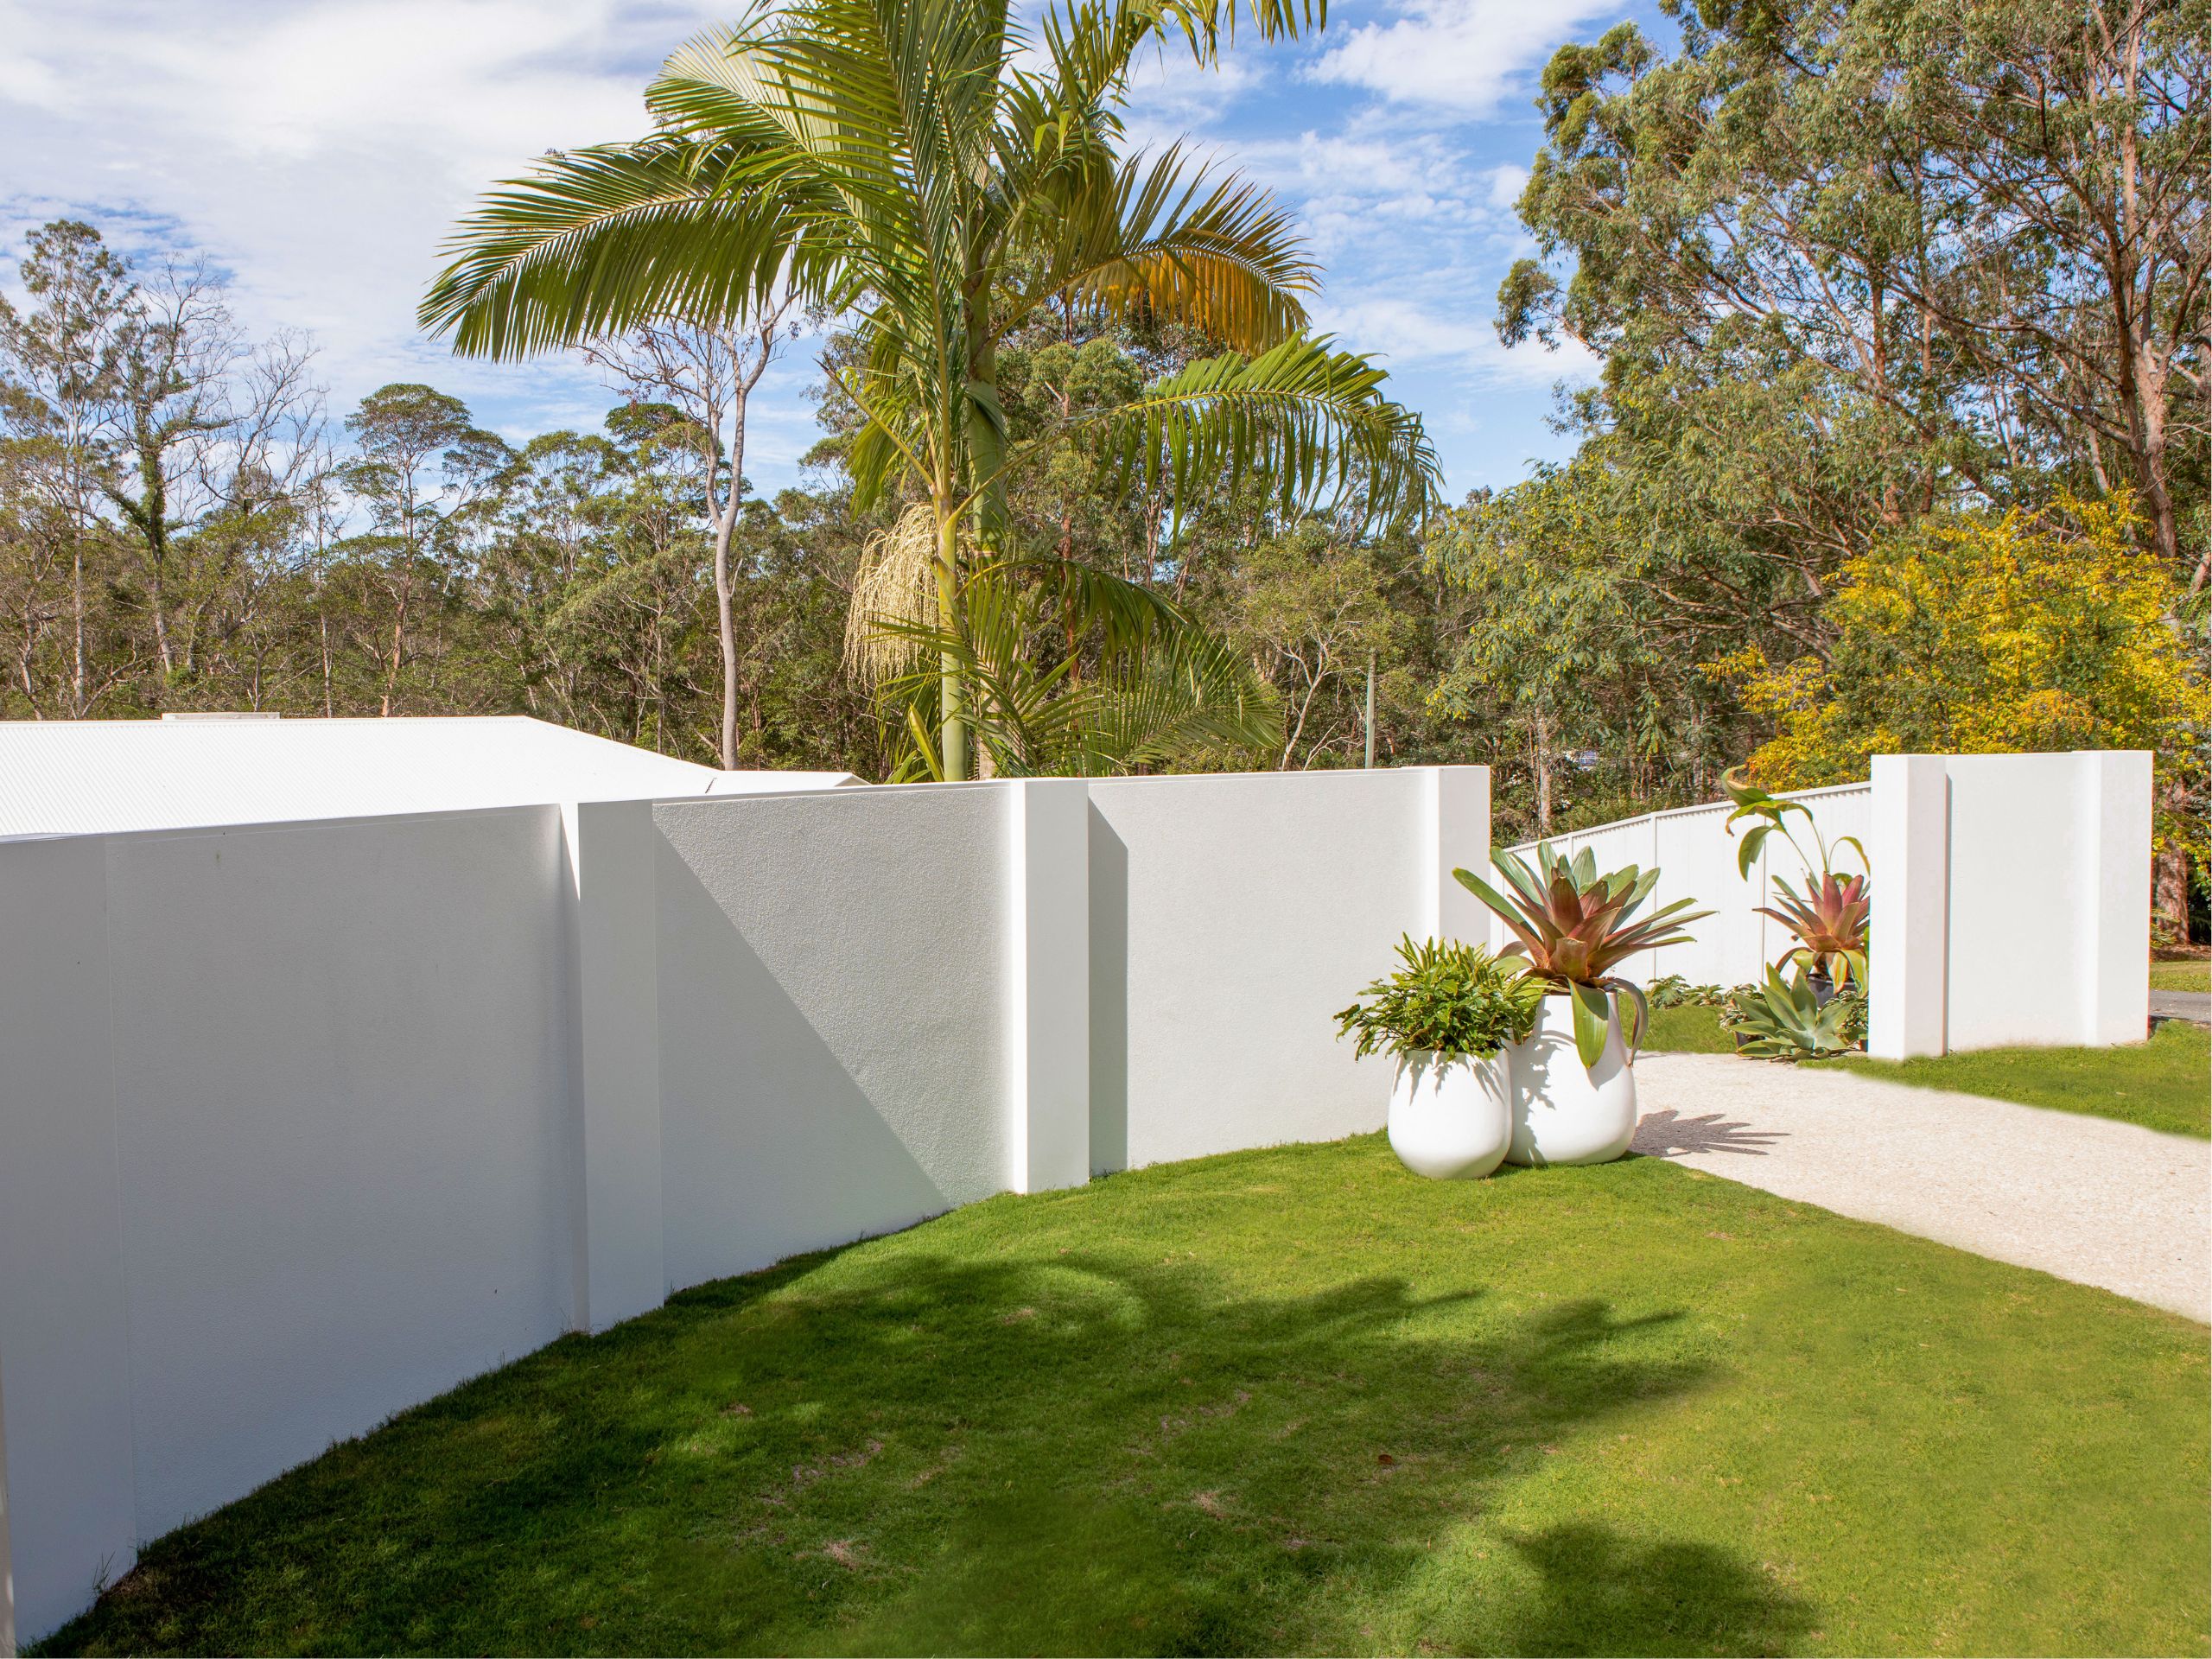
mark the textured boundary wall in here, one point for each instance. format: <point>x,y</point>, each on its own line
<point>2012,895</point>
<point>303,1124</point>
<point>283,1150</point>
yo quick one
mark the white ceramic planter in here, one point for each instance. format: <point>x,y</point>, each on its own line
<point>1562,1112</point>
<point>1451,1119</point>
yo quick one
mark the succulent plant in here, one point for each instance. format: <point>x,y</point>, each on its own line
<point>1830,923</point>
<point>1573,926</point>
<point>1785,1019</point>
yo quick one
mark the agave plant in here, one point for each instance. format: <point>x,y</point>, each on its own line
<point>1784,1019</point>
<point>1574,925</point>
<point>1830,923</point>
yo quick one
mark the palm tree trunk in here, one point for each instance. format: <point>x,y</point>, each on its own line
<point>952,737</point>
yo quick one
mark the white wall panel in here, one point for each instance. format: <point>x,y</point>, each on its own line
<point>834,989</point>
<point>1232,917</point>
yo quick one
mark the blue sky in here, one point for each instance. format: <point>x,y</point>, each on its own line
<point>318,148</point>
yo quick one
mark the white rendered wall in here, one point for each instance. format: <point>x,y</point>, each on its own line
<point>2011,897</point>
<point>833,982</point>
<point>2047,923</point>
<point>1231,918</point>
<point>283,1153</point>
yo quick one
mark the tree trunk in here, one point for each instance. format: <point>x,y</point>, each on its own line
<point>1543,773</point>
<point>952,729</point>
<point>2170,871</point>
<point>77,619</point>
<point>725,621</point>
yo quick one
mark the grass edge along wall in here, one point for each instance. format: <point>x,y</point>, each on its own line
<point>233,1054</point>
<point>242,1219</point>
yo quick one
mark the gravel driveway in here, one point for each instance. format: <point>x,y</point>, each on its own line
<point>2086,1198</point>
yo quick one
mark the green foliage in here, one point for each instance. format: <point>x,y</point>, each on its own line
<point>1783,1020</point>
<point>1289,1401</point>
<point>1140,683</point>
<point>951,178</point>
<point>1673,991</point>
<point>1574,925</point>
<point>1448,999</point>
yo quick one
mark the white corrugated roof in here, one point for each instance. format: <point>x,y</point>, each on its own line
<point>92,776</point>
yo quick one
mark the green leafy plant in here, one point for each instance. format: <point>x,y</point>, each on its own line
<point>1773,812</point>
<point>1450,999</point>
<point>1574,925</point>
<point>1673,991</point>
<point>1786,1020</point>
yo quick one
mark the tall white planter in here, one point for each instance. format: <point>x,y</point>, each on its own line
<point>1563,1112</point>
<point>1450,1118</point>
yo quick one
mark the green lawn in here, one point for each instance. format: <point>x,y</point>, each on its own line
<point>2194,976</point>
<point>1688,1030</point>
<point>1285,1400</point>
<point>2165,1084</point>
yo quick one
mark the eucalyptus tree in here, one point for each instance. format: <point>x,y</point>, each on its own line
<point>943,174</point>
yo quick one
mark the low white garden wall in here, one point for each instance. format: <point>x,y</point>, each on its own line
<point>303,1124</point>
<point>283,1150</point>
<point>2012,895</point>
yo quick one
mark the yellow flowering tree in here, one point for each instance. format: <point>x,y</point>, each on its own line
<point>1982,633</point>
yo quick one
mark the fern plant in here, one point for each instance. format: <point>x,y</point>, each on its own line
<point>1448,999</point>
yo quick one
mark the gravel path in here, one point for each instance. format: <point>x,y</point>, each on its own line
<point>2086,1198</point>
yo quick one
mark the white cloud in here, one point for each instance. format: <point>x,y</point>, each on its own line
<point>319,150</point>
<point>1455,335</point>
<point>1464,56</point>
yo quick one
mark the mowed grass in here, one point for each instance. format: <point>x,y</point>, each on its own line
<point>1687,1029</point>
<point>2163,1084</point>
<point>1291,1401</point>
<point>2190,975</point>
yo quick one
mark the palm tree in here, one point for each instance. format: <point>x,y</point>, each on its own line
<point>930,166</point>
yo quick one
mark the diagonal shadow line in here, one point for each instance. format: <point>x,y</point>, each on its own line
<point>1668,1133</point>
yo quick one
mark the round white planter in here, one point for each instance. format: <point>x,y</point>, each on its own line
<point>1564,1113</point>
<point>1451,1119</point>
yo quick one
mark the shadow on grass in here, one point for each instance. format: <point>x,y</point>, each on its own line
<point>1602,1595</point>
<point>896,1449</point>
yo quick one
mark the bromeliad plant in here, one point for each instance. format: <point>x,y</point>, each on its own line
<point>1450,1000</point>
<point>1829,918</point>
<point>1573,926</point>
<point>1830,923</point>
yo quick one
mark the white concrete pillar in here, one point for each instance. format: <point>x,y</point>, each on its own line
<point>1454,830</point>
<point>2114,801</point>
<point>1910,845</point>
<point>1048,1021</point>
<point>614,1058</point>
<point>68,1511</point>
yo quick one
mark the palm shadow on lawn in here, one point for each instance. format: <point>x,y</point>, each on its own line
<point>886,1450</point>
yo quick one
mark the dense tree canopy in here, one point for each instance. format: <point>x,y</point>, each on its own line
<point>1899,439</point>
